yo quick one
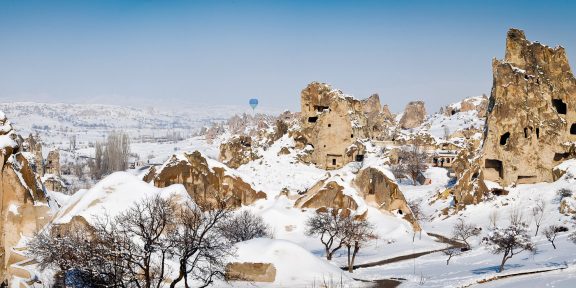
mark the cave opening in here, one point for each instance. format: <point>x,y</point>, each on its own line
<point>504,138</point>
<point>573,129</point>
<point>560,106</point>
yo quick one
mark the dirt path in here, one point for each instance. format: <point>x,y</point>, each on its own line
<point>440,238</point>
<point>392,283</point>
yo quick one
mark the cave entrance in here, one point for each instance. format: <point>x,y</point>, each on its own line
<point>560,106</point>
<point>359,158</point>
<point>504,138</point>
<point>312,119</point>
<point>321,108</point>
<point>493,168</point>
<point>573,129</point>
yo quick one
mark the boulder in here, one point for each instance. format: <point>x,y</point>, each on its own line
<point>253,272</point>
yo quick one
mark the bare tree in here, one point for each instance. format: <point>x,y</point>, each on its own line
<point>446,132</point>
<point>329,226</point>
<point>197,244</point>
<point>244,226</point>
<point>143,231</point>
<point>494,216</point>
<point>509,241</point>
<point>417,211</point>
<point>538,213</point>
<point>462,231</point>
<point>551,232</point>
<point>516,217</point>
<point>357,232</point>
<point>451,252</point>
<point>412,160</point>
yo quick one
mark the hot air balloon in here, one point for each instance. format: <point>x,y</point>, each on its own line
<point>253,103</point>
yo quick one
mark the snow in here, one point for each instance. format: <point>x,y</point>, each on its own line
<point>295,266</point>
<point>111,196</point>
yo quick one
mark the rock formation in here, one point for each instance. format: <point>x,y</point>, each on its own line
<point>326,194</point>
<point>202,181</point>
<point>531,120</point>
<point>53,163</point>
<point>414,115</point>
<point>237,151</point>
<point>335,125</point>
<point>478,104</point>
<point>253,272</point>
<point>23,208</point>
<point>378,189</point>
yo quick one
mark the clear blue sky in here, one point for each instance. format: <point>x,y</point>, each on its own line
<point>186,53</point>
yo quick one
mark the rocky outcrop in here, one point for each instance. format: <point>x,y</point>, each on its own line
<point>470,188</point>
<point>23,208</point>
<point>383,192</point>
<point>253,272</point>
<point>414,115</point>
<point>331,122</point>
<point>237,151</point>
<point>204,182</point>
<point>326,194</point>
<point>478,104</point>
<point>531,118</point>
<point>53,163</point>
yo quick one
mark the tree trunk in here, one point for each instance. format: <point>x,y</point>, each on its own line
<point>448,260</point>
<point>351,266</point>
<point>181,273</point>
<point>503,262</point>
<point>328,254</point>
<point>553,244</point>
<point>537,228</point>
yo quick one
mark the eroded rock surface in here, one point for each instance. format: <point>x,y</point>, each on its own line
<point>531,118</point>
<point>204,182</point>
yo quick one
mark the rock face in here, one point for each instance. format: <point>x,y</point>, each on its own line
<point>202,181</point>
<point>237,151</point>
<point>531,118</point>
<point>414,115</point>
<point>380,190</point>
<point>24,206</point>
<point>253,272</point>
<point>478,104</point>
<point>335,125</point>
<point>53,163</point>
<point>326,194</point>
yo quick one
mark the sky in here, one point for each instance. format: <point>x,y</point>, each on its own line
<point>177,54</point>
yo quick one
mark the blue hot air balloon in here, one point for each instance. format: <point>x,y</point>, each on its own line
<point>253,103</point>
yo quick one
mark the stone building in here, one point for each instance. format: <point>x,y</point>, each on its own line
<point>53,163</point>
<point>531,120</point>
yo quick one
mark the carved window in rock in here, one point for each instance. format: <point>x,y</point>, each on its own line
<point>333,161</point>
<point>504,138</point>
<point>573,129</point>
<point>351,135</point>
<point>312,119</point>
<point>494,164</point>
<point>329,125</point>
<point>527,131</point>
<point>537,133</point>
<point>560,106</point>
